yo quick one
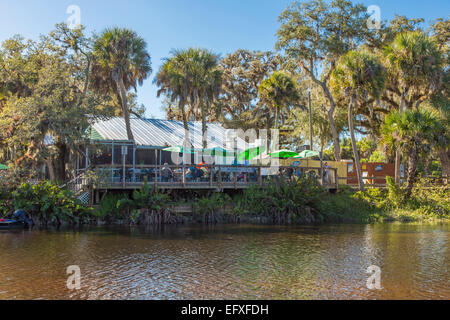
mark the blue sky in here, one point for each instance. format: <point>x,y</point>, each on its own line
<point>220,25</point>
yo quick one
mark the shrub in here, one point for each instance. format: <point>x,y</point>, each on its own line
<point>109,207</point>
<point>145,198</point>
<point>283,202</point>
<point>425,202</point>
<point>47,203</point>
<point>209,206</point>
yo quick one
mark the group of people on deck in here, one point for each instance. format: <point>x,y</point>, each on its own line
<point>201,171</point>
<point>193,173</point>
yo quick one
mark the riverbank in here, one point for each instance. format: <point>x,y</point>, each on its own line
<point>303,202</point>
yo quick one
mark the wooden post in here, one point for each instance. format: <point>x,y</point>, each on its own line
<point>336,178</point>
<point>87,157</point>
<point>321,170</point>
<point>112,163</point>
<point>160,165</point>
<point>260,181</point>
<point>156,167</point>
<point>134,163</point>
<point>211,176</point>
<point>123,166</point>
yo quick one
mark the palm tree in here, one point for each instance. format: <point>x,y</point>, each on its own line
<point>278,91</point>
<point>413,132</point>
<point>122,62</point>
<point>359,74</point>
<point>415,67</point>
<point>207,82</point>
<point>192,77</point>
<point>173,82</point>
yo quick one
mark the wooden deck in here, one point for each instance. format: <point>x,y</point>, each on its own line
<point>214,177</point>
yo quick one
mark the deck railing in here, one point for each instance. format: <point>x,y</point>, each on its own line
<point>209,177</point>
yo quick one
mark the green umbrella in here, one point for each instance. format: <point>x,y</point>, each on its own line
<point>178,150</point>
<point>3,167</point>
<point>307,154</point>
<point>250,154</point>
<point>283,154</point>
<point>218,151</point>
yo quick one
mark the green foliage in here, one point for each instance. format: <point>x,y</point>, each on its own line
<point>416,133</point>
<point>109,206</point>
<point>361,72</point>
<point>242,72</point>
<point>279,90</point>
<point>425,203</point>
<point>321,32</point>
<point>121,63</point>
<point>120,55</point>
<point>5,201</point>
<point>413,128</point>
<point>414,60</point>
<point>47,203</point>
<point>193,77</point>
<point>347,208</point>
<point>212,204</point>
<point>145,198</point>
<point>296,201</point>
<point>43,94</point>
<point>378,156</point>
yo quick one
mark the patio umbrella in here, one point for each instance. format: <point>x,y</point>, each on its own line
<point>250,154</point>
<point>3,167</point>
<point>178,150</point>
<point>220,152</point>
<point>307,154</point>
<point>283,154</point>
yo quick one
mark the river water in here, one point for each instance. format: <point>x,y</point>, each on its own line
<point>228,262</point>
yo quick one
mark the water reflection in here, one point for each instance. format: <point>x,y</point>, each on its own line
<point>228,262</point>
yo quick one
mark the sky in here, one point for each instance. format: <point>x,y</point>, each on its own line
<point>222,26</point>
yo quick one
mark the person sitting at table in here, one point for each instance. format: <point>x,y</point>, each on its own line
<point>199,174</point>
<point>191,173</point>
<point>166,173</point>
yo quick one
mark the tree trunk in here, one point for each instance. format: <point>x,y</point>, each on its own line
<point>126,113</point>
<point>60,162</point>
<point>336,142</point>
<point>444,155</point>
<point>398,153</point>
<point>51,170</point>
<point>354,146</point>
<point>329,96</point>
<point>57,165</point>
<point>321,162</point>
<point>412,171</point>
<point>204,126</point>
<point>181,106</point>
<point>276,118</point>
<point>272,149</point>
